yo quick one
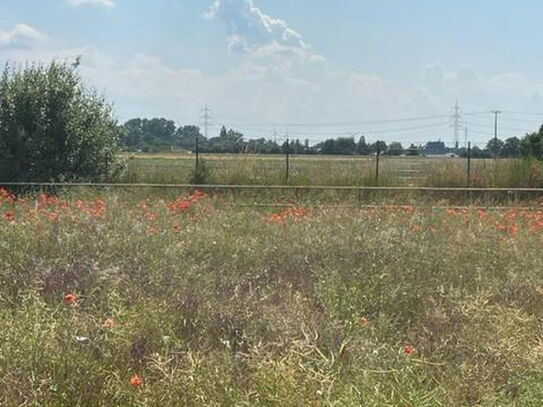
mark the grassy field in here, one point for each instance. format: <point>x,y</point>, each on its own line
<point>124,300</point>
<point>326,170</point>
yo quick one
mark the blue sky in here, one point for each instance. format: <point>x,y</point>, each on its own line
<point>310,67</point>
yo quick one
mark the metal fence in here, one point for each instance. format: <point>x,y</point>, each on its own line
<point>288,169</point>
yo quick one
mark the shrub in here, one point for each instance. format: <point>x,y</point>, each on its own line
<point>52,128</point>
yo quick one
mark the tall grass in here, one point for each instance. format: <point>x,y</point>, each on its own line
<point>222,306</point>
<point>338,171</point>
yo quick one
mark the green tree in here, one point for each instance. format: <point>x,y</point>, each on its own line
<point>495,146</point>
<point>362,147</point>
<point>157,134</point>
<point>435,147</point>
<point>379,147</point>
<point>395,148</point>
<point>185,137</point>
<point>532,144</point>
<point>511,147</point>
<point>52,128</point>
<point>345,146</point>
<point>229,141</point>
<point>413,150</point>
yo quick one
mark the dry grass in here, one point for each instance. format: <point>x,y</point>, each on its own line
<point>327,170</point>
<point>221,306</point>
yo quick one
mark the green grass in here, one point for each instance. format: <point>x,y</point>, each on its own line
<point>327,170</point>
<point>227,306</point>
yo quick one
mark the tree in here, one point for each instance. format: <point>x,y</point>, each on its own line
<point>413,150</point>
<point>52,128</point>
<point>155,134</point>
<point>495,146</point>
<point>185,137</point>
<point>379,147</point>
<point>229,141</point>
<point>395,148</point>
<point>345,146</point>
<point>511,147</point>
<point>532,144</point>
<point>328,147</point>
<point>338,146</point>
<point>435,147</point>
<point>362,147</point>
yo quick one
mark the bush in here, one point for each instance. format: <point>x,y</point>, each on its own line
<point>52,128</point>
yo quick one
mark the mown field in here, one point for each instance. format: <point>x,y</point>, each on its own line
<point>117,299</point>
<point>332,170</point>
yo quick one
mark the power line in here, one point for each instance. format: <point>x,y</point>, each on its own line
<point>338,124</point>
<point>523,113</point>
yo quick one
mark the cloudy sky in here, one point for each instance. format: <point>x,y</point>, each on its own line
<point>388,69</point>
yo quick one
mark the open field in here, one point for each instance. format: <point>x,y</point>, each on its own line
<point>331,170</point>
<point>115,299</point>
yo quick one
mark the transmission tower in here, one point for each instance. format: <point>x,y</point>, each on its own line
<point>206,117</point>
<point>457,123</point>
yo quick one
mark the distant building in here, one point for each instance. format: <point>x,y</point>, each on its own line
<point>445,155</point>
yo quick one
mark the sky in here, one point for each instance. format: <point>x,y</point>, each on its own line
<point>307,69</point>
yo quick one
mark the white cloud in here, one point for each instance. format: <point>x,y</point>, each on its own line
<point>21,36</point>
<point>249,28</point>
<point>105,3</point>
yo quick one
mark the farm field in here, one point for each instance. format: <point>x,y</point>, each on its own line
<point>112,298</point>
<point>332,170</point>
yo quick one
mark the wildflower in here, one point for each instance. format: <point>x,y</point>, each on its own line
<point>136,381</point>
<point>53,216</point>
<point>176,227</point>
<point>109,323</point>
<point>70,299</point>
<point>409,350</point>
<point>513,230</point>
<point>9,216</point>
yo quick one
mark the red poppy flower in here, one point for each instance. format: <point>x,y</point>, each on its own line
<point>9,216</point>
<point>70,299</point>
<point>136,381</point>
<point>409,350</point>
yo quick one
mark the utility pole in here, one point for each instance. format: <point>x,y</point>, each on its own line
<point>496,113</point>
<point>466,135</point>
<point>456,118</point>
<point>287,159</point>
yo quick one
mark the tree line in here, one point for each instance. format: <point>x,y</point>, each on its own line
<point>160,134</point>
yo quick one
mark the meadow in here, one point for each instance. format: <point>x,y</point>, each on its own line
<point>249,169</point>
<point>139,299</point>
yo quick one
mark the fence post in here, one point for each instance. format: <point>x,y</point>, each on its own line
<point>469,164</point>
<point>377,154</point>
<point>197,153</point>
<point>287,160</point>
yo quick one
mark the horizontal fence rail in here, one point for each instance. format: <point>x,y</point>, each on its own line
<point>267,187</point>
